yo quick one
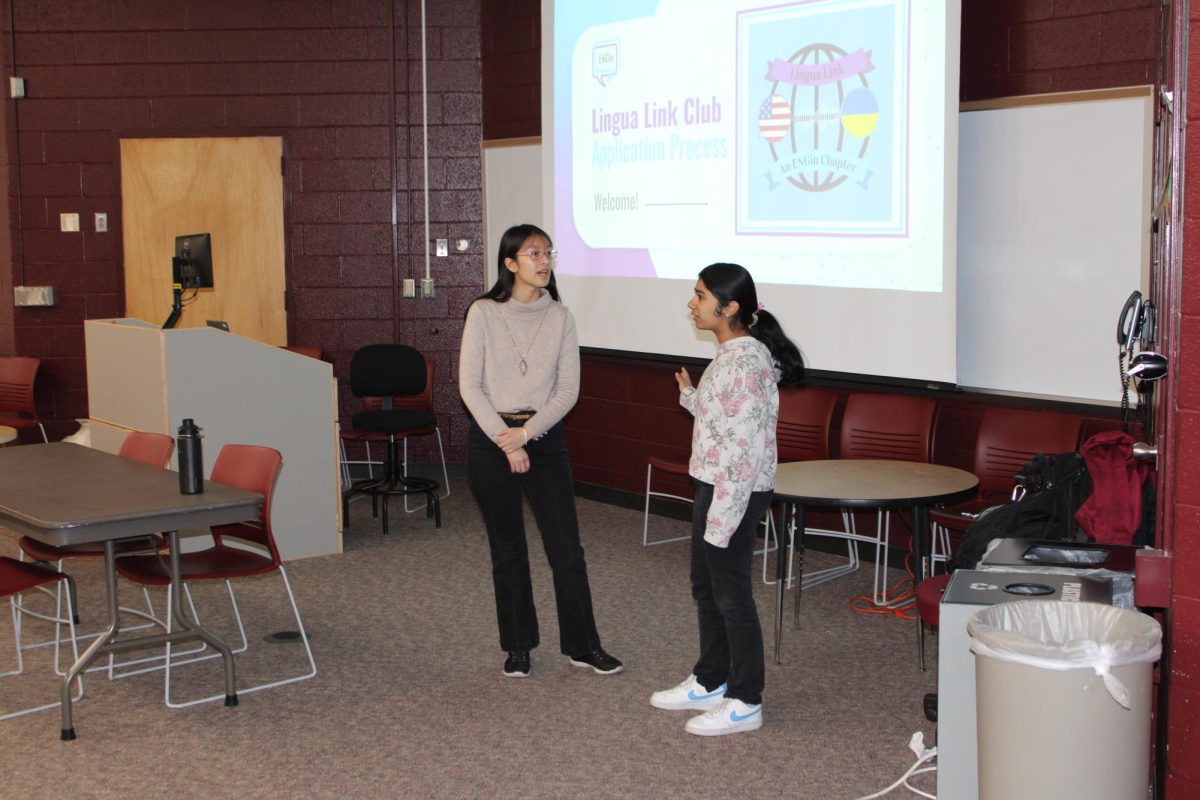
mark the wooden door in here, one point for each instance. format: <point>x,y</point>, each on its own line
<point>231,188</point>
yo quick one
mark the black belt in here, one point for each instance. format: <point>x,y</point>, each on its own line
<point>517,415</point>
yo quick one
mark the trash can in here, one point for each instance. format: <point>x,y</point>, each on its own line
<point>1063,700</point>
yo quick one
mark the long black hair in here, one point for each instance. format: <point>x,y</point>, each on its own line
<point>729,282</point>
<point>510,245</point>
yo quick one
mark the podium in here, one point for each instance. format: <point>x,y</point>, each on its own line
<point>240,391</point>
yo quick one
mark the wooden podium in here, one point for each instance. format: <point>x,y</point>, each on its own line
<point>237,390</point>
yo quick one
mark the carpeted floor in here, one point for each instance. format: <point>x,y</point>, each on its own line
<point>410,700</point>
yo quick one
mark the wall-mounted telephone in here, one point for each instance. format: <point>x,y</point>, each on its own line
<point>1136,331</point>
<point>1135,323</point>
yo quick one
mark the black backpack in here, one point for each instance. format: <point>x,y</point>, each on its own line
<point>1050,489</point>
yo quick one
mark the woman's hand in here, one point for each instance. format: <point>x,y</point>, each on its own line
<point>512,439</point>
<point>683,379</point>
<point>518,460</point>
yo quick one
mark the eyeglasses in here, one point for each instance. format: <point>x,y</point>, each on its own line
<point>538,255</point>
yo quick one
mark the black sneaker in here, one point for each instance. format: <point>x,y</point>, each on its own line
<point>517,664</point>
<point>601,662</point>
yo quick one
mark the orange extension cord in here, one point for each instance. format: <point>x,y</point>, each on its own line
<point>904,599</point>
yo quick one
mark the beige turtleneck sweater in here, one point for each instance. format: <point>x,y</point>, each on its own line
<point>495,338</point>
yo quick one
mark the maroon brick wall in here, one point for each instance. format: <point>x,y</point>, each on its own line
<point>1020,47</point>
<point>512,44</point>
<point>1183,757</point>
<point>319,74</point>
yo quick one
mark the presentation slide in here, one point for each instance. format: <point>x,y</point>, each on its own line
<point>812,142</point>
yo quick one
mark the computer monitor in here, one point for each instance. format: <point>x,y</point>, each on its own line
<point>192,266</point>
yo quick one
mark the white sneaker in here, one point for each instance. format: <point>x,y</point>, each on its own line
<point>687,696</point>
<point>731,716</point>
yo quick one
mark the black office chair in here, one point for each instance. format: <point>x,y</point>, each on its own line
<point>395,377</point>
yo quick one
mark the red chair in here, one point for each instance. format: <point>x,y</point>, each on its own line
<point>153,449</point>
<point>1008,437</point>
<point>879,426</point>
<point>671,468</point>
<point>254,469</point>
<point>17,577</point>
<point>17,409</point>
<point>802,433</point>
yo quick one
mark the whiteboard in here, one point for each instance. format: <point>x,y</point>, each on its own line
<point>512,192</point>
<point>1053,235</point>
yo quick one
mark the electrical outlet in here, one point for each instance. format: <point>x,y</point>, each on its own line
<point>410,287</point>
<point>443,248</point>
<point>101,222</point>
<point>427,288</point>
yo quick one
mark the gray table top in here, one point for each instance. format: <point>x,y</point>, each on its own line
<point>62,494</point>
<point>871,483</point>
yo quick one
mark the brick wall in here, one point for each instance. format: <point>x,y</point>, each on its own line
<point>1184,721</point>
<point>316,73</point>
<point>1020,47</point>
<point>512,43</point>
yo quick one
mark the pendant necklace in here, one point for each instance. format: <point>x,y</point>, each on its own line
<point>523,366</point>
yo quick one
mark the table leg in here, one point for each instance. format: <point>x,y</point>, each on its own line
<point>198,631</point>
<point>920,530</point>
<point>794,540</point>
<point>782,552</point>
<point>89,655</point>
<point>798,545</point>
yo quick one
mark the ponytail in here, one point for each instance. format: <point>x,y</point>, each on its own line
<point>766,329</point>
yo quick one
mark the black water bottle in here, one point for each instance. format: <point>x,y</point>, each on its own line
<point>191,462</point>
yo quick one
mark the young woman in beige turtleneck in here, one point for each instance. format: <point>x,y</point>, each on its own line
<point>519,376</point>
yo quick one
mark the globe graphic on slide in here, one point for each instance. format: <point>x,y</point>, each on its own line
<point>838,116</point>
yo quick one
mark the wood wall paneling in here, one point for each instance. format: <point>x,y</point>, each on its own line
<point>230,188</point>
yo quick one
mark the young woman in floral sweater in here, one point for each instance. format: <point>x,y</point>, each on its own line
<point>736,406</point>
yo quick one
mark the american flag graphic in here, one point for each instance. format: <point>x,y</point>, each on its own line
<point>774,118</point>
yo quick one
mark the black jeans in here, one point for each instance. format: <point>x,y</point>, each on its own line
<point>551,495</point>
<point>731,642</point>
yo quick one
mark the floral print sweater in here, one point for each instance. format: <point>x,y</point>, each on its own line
<point>736,406</point>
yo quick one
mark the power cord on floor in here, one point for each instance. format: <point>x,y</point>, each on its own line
<point>924,754</point>
<point>903,604</point>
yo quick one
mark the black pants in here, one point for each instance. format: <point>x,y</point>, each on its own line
<point>551,495</point>
<point>731,643</point>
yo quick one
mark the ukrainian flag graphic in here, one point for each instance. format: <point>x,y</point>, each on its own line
<point>860,113</point>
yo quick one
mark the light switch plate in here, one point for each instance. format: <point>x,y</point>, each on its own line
<point>33,295</point>
<point>443,248</point>
<point>101,222</point>
<point>410,287</point>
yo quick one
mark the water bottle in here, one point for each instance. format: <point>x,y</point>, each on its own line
<point>191,462</point>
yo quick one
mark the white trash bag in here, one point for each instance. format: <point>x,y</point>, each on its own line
<point>82,436</point>
<point>1051,634</point>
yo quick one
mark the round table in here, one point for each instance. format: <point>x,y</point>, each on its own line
<point>7,434</point>
<point>861,483</point>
